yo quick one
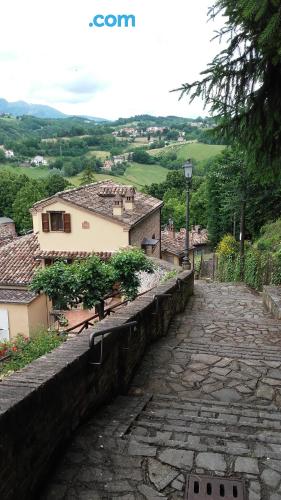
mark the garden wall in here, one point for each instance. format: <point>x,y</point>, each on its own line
<point>41,405</point>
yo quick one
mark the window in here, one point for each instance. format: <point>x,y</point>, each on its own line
<point>56,221</point>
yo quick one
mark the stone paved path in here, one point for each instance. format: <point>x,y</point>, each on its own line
<point>206,400</point>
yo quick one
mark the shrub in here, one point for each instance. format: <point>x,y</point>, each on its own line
<point>228,246</point>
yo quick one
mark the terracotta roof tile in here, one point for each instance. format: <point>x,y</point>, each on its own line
<point>55,254</point>
<point>17,263</point>
<point>16,296</point>
<point>175,244</point>
<point>98,197</point>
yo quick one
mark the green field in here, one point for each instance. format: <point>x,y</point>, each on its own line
<point>196,151</point>
<point>136,174</point>
<point>32,172</point>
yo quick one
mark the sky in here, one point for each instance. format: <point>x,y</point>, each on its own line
<point>50,55</point>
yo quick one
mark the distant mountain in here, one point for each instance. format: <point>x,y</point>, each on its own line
<point>20,108</point>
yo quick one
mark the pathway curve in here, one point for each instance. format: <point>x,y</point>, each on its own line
<point>206,400</point>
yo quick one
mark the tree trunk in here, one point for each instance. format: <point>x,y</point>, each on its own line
<point>100,310</point>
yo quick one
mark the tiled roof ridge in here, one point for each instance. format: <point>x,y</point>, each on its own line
<point>60,194</point>
<point>78,188</point>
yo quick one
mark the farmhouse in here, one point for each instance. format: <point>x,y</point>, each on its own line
<point>39,160</point>
<point>98,218</point>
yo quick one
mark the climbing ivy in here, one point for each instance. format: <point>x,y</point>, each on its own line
<point>261,268</point>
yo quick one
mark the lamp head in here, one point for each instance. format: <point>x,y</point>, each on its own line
<point>187,166</point>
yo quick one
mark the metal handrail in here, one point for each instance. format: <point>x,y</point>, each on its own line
<point>112,329</point>
<point>102,333</point>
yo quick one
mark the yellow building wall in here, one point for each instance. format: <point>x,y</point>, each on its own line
<point>102,235</point>
<point>38,314</point>
<point>18,319</point>
<point>26,319</point>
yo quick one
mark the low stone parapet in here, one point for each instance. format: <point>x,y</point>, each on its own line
<point>272,300</point>
<point>41,405</point>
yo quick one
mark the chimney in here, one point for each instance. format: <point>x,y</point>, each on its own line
<point>118,206</point>
<point>129,199</point>
<point>171,228</point>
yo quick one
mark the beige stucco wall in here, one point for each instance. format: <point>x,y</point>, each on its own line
<point>146,229</point>
<point>103,235</point>
<point>25,319</point>
<point>38,314</point>
<point>18,319</point>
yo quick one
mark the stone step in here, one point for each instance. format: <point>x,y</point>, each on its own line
<point>212,316</point>
<point>249,352</point>
<point>241,410</point>
<point>209,427</point>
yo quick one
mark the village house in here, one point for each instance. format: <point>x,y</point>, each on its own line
<point>8,152</point>
<point>38,160</point>
<point>98,218</point>
<point>107,165</point>
<point>172,243</point>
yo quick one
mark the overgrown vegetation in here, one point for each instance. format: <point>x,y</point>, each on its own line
<point>23,350</point>
<point>262,266</point>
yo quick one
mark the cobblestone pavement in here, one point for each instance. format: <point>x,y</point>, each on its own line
<point>206,400</point>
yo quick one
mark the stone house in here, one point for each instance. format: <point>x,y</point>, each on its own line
<point>172,243</point>
<point>98,218</point>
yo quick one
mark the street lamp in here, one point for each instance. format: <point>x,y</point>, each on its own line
<point>187,167</point>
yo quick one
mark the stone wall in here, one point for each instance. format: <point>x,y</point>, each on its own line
<point>41,405</point>
<point>146,229</point>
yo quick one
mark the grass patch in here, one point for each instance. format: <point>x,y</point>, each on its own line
<point>32,172</point>
<point>196,150</point>
<point>136,174</point>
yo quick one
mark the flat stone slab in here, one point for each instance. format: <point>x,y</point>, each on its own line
<point>211,461</point>
<point>160,474</point>
<point>228,395</point>
<point>247,465</point>
<point>182,459</point>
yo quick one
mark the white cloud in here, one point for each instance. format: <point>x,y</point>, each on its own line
<point>49,54</point>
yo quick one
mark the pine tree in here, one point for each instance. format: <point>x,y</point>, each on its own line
<point>242,84</point>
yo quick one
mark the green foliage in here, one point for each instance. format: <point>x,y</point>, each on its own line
<point>228,184</point>
<point>260,268</point>
<point>270,237</point>
<point>167,276</point>
<point>53,184</point>
<point>23,351</point>
<point>242,83</point>
<point>126,265</point>
<point>59,282</point>
<point>2,156</point>
<point>141,156</point>
<point>88,281</point>
<point>87,176</point>
<point>173,193</point>
<point>95,279</point>
<point>31,192</point>
<point>228,246</point>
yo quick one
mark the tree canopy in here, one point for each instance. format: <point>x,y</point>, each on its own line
<point>242,83</point>
<point>90,280</point>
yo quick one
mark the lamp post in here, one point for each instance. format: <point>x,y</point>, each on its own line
<point>186,264</point>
